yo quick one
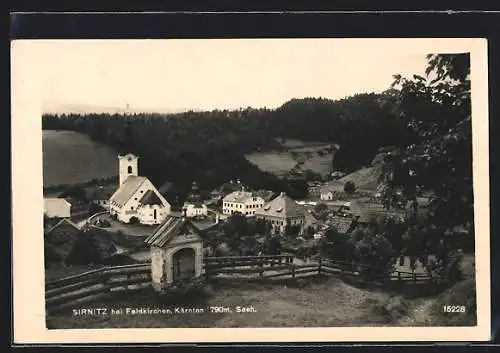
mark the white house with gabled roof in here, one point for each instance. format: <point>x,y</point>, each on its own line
<point>242,202</point>
<point>137,199</point>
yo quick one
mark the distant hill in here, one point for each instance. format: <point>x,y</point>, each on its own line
<point>364,178</point>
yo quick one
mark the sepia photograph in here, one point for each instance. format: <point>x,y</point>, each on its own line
<point>256,183</point>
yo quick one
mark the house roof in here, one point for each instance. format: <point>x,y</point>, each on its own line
<point>238,196</point>
<point>282,206</point>
<point>266,195</point>
<point>127,190</point>
<point>62,222</point>
<point>366,211</point>
<point>310,218</point>
<point>50,202</point>
<point>170,228</point>
<point>342,224</point>
<point>150,198</point>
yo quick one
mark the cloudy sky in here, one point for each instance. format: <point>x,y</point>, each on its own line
<point>176,75</point>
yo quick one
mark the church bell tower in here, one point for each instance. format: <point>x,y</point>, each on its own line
<point>128,165</point>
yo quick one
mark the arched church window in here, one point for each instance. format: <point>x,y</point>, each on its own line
<point>129,169</point>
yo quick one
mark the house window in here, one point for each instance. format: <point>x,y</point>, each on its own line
<point>129,169</point>
<point>154,214</point>
<point>131,207</point>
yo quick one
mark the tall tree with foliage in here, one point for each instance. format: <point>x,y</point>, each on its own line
<point>438,109</point>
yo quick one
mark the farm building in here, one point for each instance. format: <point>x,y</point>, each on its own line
<point>176,252</point>
<point>283,211</point>
<point>193,206</point>
<point>243,202</point>
<point>137,199</point>
<point>56,207</point>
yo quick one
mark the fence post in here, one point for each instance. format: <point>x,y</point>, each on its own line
<point>293,271</point>
<point>399,276</point>
<point>261,267</point>
<point>414,278</point>
<point>319,266</point>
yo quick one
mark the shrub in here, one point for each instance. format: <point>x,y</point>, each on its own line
<point>349,188</point>
<point>134,220</point>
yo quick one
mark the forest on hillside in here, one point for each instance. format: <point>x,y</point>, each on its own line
<point>426,122</point>
<point>426,119</point>
<point>209,146</point>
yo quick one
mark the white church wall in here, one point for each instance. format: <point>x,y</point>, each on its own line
<point>145,213</point>
<point>128,165</point>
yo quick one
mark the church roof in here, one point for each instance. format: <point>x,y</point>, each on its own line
<point>170,228</point>
<point>283,207</point>
<point>150,198</point>
<point>127,190</point>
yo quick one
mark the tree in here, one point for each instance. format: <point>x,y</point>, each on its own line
<point>377,254</point>
<point>76,192</point>
<point>437,108</point>
<point>339,246</point>
<point>320,207</point>
<point>235,230</point>
<point>261,226</point>
<point>349,188</point>
<point>292,231</point>
<point>272,245</point>
<point>134,220</point>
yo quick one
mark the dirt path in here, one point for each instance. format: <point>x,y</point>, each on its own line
<point>420,314</point>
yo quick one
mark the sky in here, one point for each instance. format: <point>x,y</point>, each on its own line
<point>179,75</point>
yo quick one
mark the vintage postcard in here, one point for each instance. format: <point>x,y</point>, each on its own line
<point>250,190</point>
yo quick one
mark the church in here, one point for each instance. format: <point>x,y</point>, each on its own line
<point>136,200</point>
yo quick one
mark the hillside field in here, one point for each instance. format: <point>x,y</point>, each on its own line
<point>296,155</point>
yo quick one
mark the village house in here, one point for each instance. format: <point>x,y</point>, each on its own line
<point>283,211</point>
<point>326,195</point>
<point>242,202</point>
<point>193,206</point>
<point>137,199</point>
<point>56,207</point>
<point>176,252</point>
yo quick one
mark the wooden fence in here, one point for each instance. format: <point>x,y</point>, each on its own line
<point>93,285</point>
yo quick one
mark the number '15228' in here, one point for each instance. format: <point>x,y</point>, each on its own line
<point>454,308</point>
